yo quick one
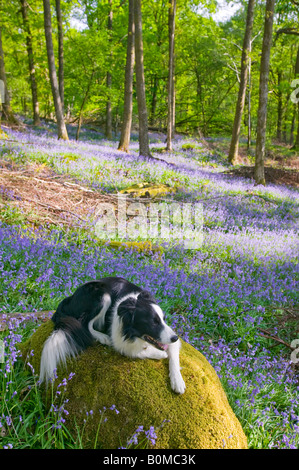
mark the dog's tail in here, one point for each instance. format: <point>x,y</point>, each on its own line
<point>67,340</point>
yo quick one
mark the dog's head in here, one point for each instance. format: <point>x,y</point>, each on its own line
<point>143,318</point>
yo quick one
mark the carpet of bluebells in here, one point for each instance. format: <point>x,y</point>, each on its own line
<point>218,297</point>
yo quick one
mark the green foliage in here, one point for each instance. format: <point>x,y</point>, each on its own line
<point>208,55</point>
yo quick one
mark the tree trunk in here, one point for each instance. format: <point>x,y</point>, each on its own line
<point>259,172</point>
<point>33,83</point>
<point>234,145</point>
<point>293,125</point>
<point>279,108</point>
<point>154,100</point>
<point>296,145</point>
<point>140,83</point>
<point>109,80</point>
<point>6,108</point>
<point>60,54</point>
<point>128,98</point>
<point>61,128</point>
<point>249,99</point>
<point>171,113</point>
<point>83,104</point>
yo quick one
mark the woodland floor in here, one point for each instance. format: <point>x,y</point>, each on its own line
<point>286,176</point>
<point>281,165</point>
<point>47,197</point>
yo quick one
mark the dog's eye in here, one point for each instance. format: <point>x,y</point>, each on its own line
<point>156,320</point>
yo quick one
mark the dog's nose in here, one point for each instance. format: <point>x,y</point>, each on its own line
<point>174,338</point>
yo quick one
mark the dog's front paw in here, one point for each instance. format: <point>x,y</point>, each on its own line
<point>160,355</point>
<point>177,384</point>
<point>156,354</point>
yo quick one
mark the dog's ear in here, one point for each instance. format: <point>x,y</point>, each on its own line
<point>146,296</point>
<point>126,310</point>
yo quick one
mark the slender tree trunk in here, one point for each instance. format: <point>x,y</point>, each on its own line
<point>128,98</point>
<point>140,83</point>
<point>284,129</point>
<point>259,172</point>
<point>234,145</point>
<point>35,103</point>
<point>83,104</point>
<point>60,54</point>
<point>2,93</point>
<point>61,128</point>
<point>6,108</point>
<point>171,113</point>
<point>249,98</point>
<point>279,108</point>
<point>154,101</point>
<point>109,79</point>
<point>296,145</point>
<point>293,125</point>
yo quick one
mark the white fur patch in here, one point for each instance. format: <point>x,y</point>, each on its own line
<point>56,349</point>
<point>99,321</point>
<point>167,333</point>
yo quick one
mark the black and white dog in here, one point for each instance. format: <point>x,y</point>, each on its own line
<point>116,313</point>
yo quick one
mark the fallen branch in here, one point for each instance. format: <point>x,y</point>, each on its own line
<point>55,208</point>
<point>267,334</point>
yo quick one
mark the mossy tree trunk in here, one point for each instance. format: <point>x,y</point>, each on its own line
<point>128,98</point>
<point>259,172</point>
<point>234,145</point>
<point>61,128</point>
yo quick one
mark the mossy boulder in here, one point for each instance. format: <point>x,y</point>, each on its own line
<point>140,390</point>
<point>145,247</point>
<point>148,190</point>
<point>3,135</point>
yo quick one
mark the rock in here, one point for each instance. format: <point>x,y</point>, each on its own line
<point>140,390</point>
<point>148,190</point>
<point>145,247</point>
<point>3,135</point>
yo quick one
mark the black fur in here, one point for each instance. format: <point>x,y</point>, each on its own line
<point>116,313</point>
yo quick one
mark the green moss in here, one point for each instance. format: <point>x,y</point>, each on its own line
<point>3,135</point>
<point>70,157</point>
<point>190,147</point>
<point>148,190</point>
<point>145,247</point>
<point>140,390</point>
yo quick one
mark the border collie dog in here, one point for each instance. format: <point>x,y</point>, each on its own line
<point>116,313</point>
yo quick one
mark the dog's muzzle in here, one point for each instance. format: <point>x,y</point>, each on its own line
<point>161,346</point>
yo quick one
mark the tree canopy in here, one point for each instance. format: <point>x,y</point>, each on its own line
<point>207,64</point>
